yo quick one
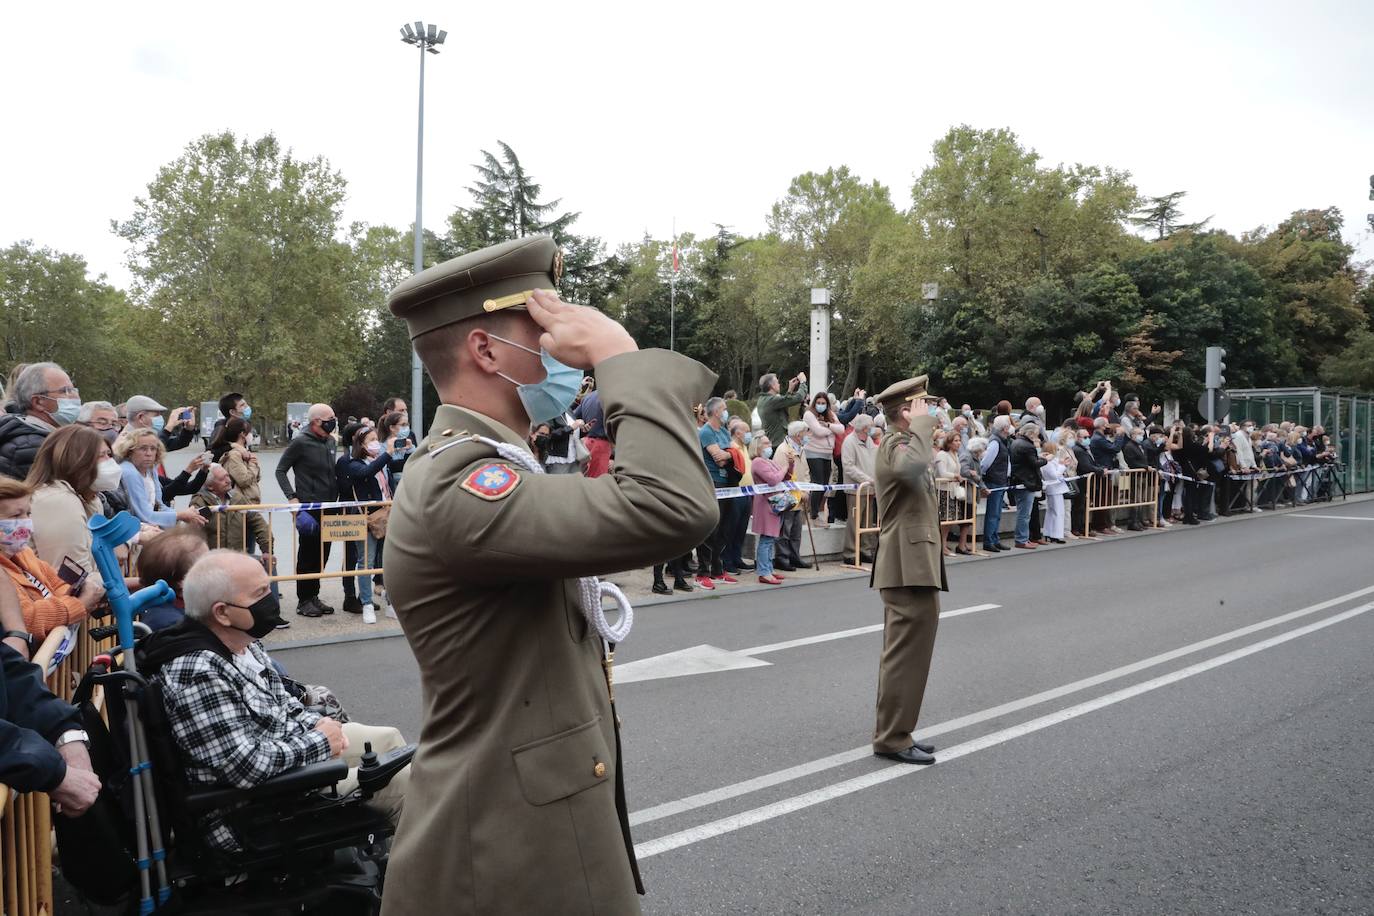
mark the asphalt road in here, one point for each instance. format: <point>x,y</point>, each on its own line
<point>1173,723</point>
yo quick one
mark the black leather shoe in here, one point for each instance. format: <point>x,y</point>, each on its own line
<point>784,567</point>
<point>746,565</point>
<point>326,609</point>
<point>351,605</point>
<point>682,585</point>
<point>912,754</point>
<point>661,588</point>
<point>925,746</point>
<point>865,558</point>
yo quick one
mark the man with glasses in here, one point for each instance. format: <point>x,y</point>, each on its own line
<point>43,399</point>
<point>101,417</point>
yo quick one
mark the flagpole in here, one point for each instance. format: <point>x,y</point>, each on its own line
<point>672,295</point>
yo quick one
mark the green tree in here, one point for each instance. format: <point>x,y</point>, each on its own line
<point>1352,367</point>
<point>992,215</point>
<point>239,247</point>
<point>827,223</point>
<point>1200,294</point>
<point>1164,216</point>
<point>1312,281</point>
<point>507,205</point>
<point>51,309</point>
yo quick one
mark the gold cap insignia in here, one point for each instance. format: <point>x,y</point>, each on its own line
<point>558,266</point>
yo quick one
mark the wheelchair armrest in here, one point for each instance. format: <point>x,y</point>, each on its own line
<point>293,782</point>
<point>375,778</point>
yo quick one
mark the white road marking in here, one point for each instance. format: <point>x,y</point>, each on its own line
<point>1342,518</point>
<point>684,662</point>
<point>707,659</point>
<point>801,770</point>
<point>895,771</point>
<point>857,631</point>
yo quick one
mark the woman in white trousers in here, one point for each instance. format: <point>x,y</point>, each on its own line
<point>1052,473</point>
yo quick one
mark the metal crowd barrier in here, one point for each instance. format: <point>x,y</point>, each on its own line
<point>865,504</point>
<point>337,525</point>
<point>958,506</point>
<point>26,841</point>
<point>1133,489</point>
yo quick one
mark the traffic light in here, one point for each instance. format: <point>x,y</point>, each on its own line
<point>1215,367</point>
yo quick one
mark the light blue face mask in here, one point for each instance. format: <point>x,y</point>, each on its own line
<point>768,451</point>
<point>68,409</point>
<point>748,438</point>
<point>551,397</point>
<point>403,432</point>
<point>247,412</point>
<point>158,423</point>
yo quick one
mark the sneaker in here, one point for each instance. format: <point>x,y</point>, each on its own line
<point>309,607</point>
<point>391,610</point>
<point>351,605</point>
<point>705,582</point>
<point>324,608</point>
<point>284,624</point>
<point>726,578</point>
<point>369,614</point>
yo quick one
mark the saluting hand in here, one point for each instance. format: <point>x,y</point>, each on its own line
<point>576,334</point>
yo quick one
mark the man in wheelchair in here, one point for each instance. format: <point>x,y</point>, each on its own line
<point>222,793</point>
<point>233,721</point>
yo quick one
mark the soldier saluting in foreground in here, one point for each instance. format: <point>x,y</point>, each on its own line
<point>516,801</point>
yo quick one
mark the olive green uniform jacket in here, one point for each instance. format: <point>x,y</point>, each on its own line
<point>512,799</point>
<point>908,515</point>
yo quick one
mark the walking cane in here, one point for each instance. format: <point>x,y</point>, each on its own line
<point>815,563</point>
<point>106,534</point>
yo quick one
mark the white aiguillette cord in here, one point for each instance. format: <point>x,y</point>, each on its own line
<point>591,590</point>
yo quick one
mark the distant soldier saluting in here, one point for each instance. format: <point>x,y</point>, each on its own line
<point>516,801</point>
<point>909,570</point>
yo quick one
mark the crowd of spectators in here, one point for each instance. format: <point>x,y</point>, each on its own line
<point>995,459</point>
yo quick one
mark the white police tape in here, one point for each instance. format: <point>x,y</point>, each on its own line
<point>763,490</point>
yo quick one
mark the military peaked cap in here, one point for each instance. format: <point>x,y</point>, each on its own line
<point>911,389</point>
<point>477,283</point>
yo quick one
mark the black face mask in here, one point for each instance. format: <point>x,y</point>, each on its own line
<point>329,425</point>
<point>266,613</point>
<point>541,440</point>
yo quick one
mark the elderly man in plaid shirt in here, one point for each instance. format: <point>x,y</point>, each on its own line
<point>233,719</point>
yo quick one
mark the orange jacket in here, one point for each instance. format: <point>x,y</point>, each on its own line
<point>47,601</point>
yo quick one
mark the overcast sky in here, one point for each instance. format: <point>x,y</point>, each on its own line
<point>636,113</point>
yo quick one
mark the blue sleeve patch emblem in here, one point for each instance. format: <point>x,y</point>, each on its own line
<point>492,481</point>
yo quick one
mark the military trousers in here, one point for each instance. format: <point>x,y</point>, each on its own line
<point>910,617</point>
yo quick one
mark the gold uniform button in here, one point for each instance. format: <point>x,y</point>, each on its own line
<point>599,770</point>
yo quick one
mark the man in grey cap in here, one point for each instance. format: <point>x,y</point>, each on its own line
<point>145,413</point>
<point>516,801</point>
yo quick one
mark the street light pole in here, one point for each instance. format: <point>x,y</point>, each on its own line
<point>427,39</point>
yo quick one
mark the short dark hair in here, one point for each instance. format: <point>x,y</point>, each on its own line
<point>228,402</point>
<point>390,404</point>
<point>438,349</point>
<point>169,556</point>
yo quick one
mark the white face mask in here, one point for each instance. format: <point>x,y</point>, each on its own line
<point>108,476</point>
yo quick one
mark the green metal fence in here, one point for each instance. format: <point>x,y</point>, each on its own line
<point>1348,417</point>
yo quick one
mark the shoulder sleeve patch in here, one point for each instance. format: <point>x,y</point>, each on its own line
<point>492,481</point>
